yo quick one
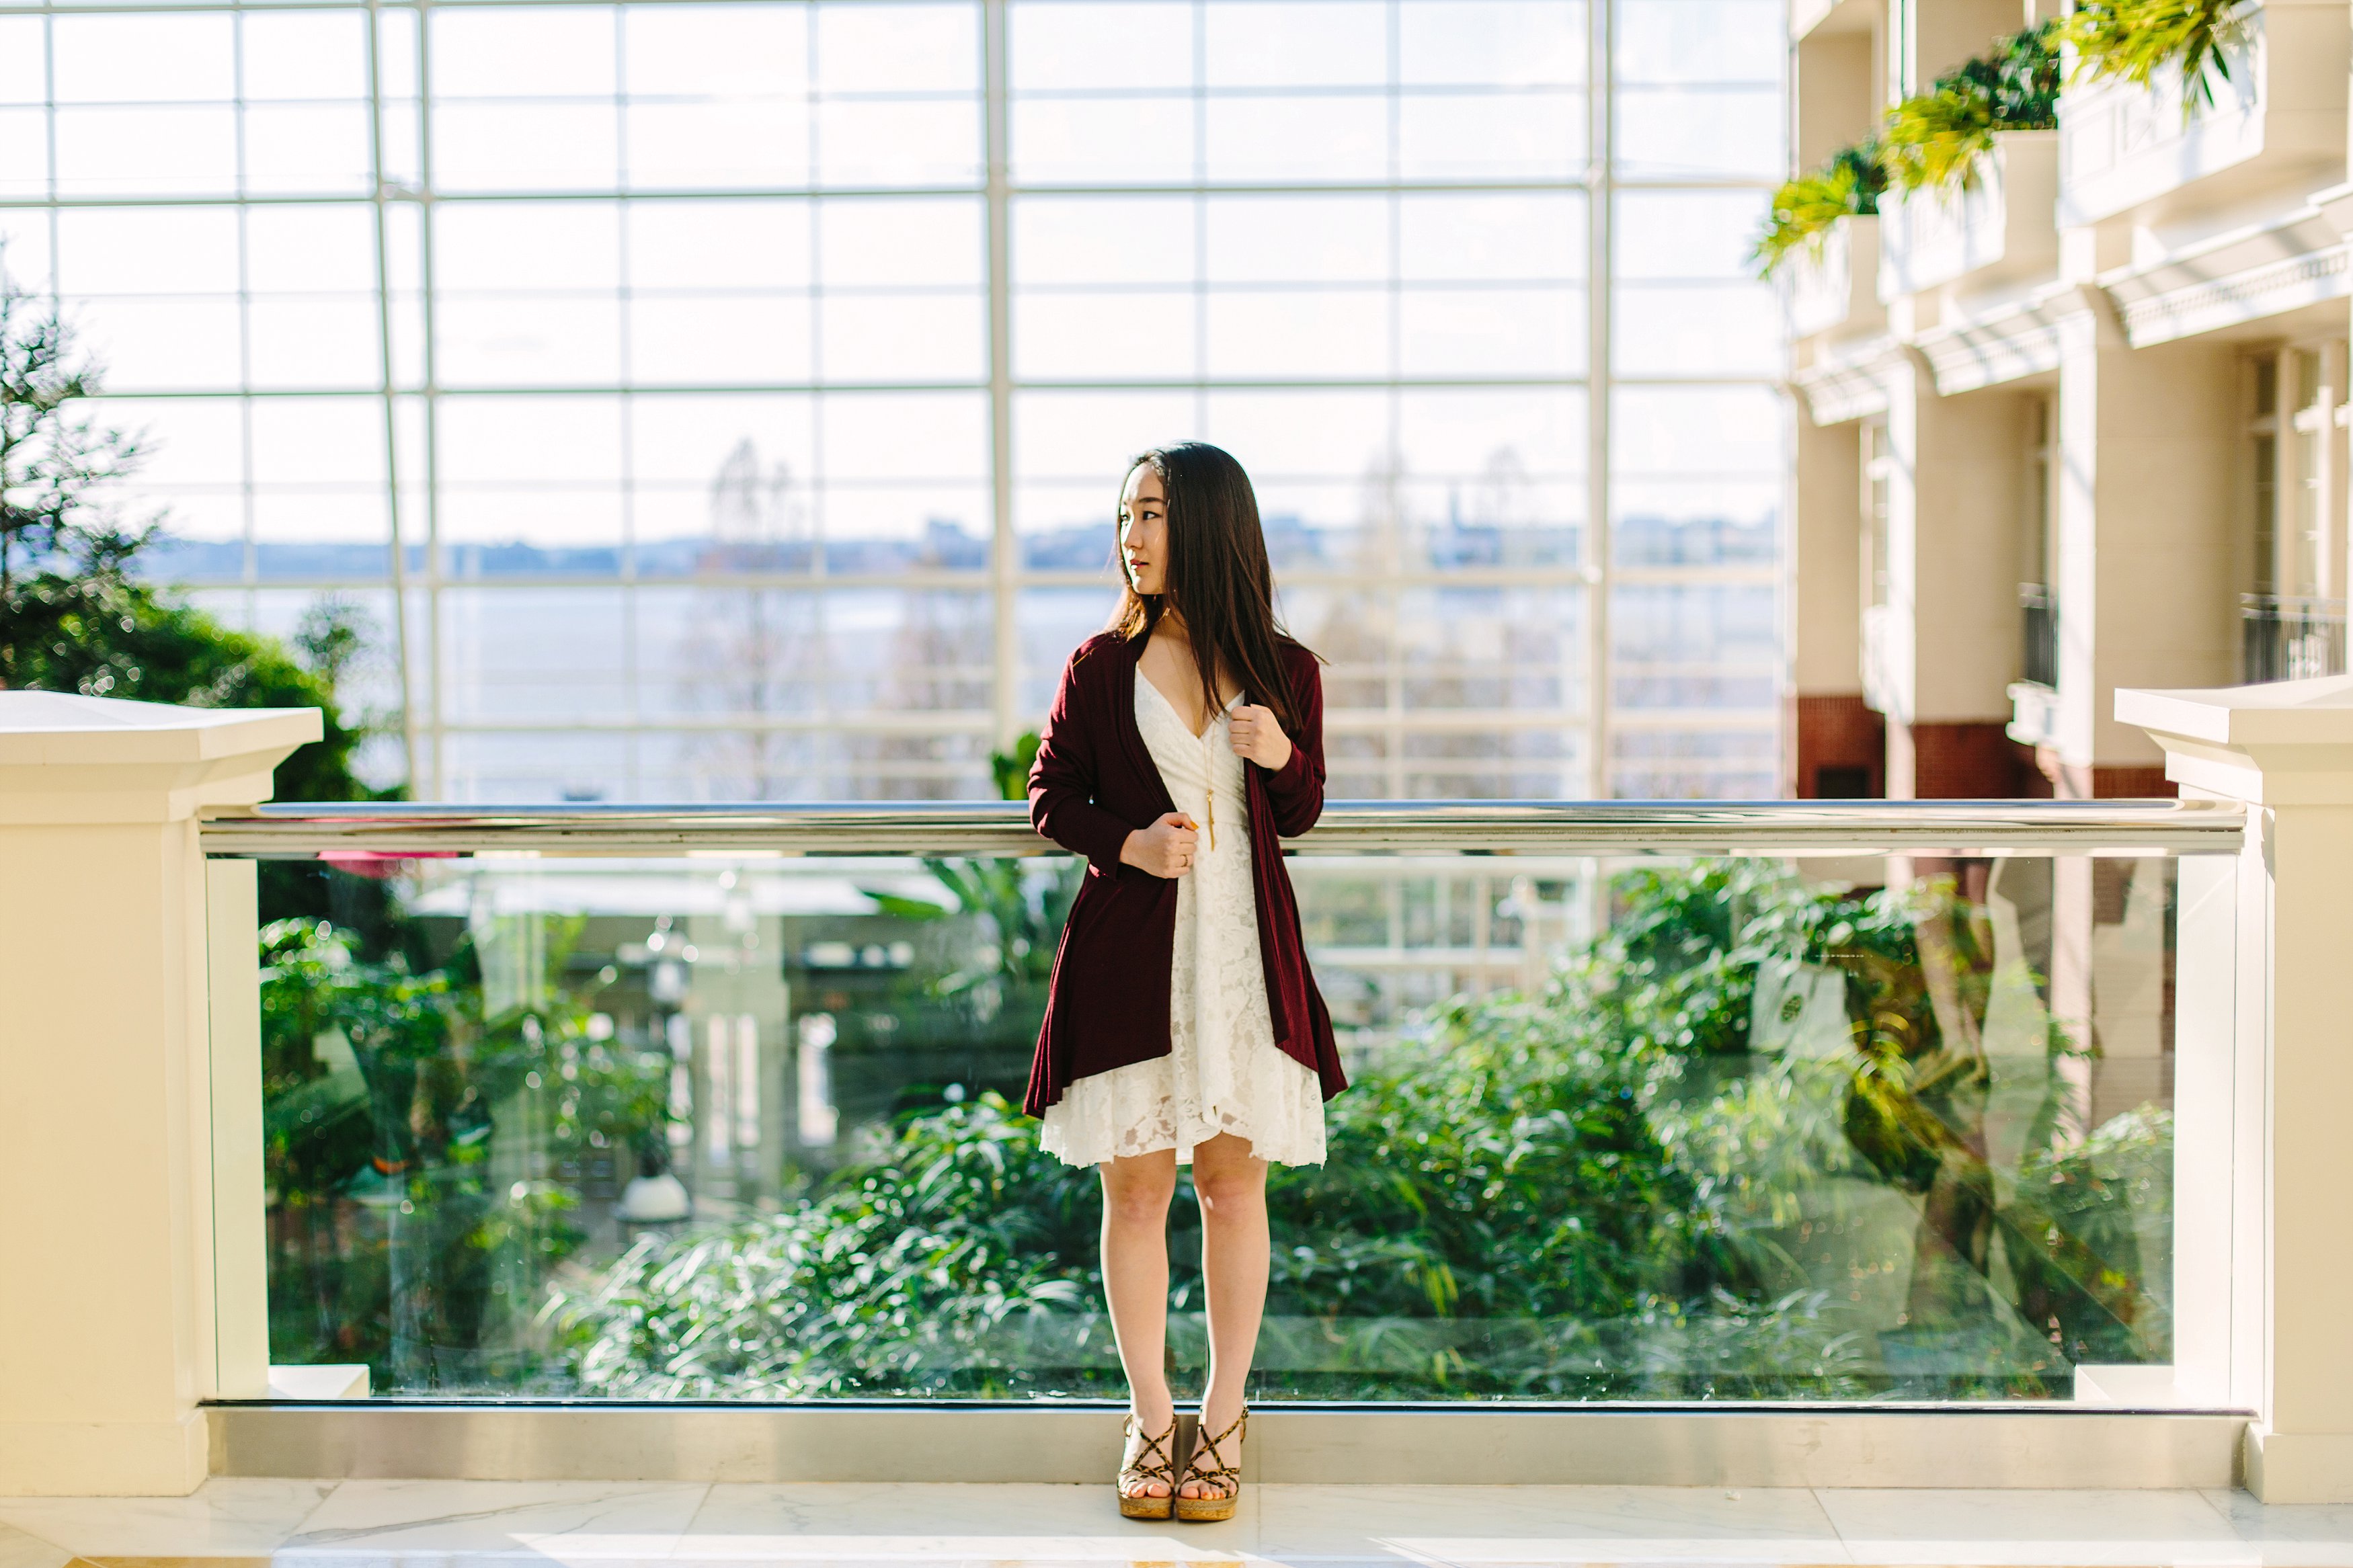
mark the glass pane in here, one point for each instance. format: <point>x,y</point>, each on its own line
<point>1669,131</point>
<point>1466,432</point>
<point>1713,329</point>
<point>143,59</point>
<point>1492,331</point>
<point>147,250</point>
<point>1658,432</point>
<point>1501,43</point>
<point>704,51</point>
<point>1087,437</point>
<point>194,444</point>
<point>1686,233</point>
<point>520,340</point>
<point>718,245</point>
<point>1094,48</point>
<point>162,345</point>
<point>523,147</point>
<point>522,441</point>
<point>1130,334</point>
<point>903,436</point>
<point>304,55</point>
<point>24,68</point>
<point>891,243</point>
<point>1339,434</point>
<point>722,145</point>
<point>865,48</point>
<point>527,246</point>
<point>307,149</point>
<point>25,247</point>
<point>685,441</point>
<point>919,142</point>
<point>1297,43</point>
<point>1297,239</point>
<point>1104,239</point>
<point>314,341</point>
<point>23,157</point>
<point>1331,137</point>
<point>1707,522</point>
<point>146,152</point>
<point>1309,332</point>
<point>719,338</point>
<point>1530,135</point>
<point>294,250</point>
<point>528,655</point>
<point>1136,141</point>
<point>1700,41</point>
<point>318,441</point>
<point>536,51</point>
<point>1521,236</point>
<point>903,337</point>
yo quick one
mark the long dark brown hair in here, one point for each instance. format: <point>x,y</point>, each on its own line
<point>1215,576</point>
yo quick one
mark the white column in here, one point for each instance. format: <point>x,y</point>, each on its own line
<point>2148,444</point>
<point>2285,750</point>
<point>108,1334</point>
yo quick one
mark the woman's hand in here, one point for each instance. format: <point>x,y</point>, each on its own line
<point>1165,849</point>
<point>1259,739</point>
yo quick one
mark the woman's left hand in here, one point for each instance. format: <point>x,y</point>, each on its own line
<point>1257,738</point>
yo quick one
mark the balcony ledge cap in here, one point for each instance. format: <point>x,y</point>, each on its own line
<point>59,726</point>
<point>2247,719</point>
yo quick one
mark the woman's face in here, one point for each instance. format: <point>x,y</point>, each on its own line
<point>1144,529</point>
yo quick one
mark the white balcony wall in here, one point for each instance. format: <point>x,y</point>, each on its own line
<point>2280,115</point>
<point>2000,227</point>
<point>1831,288</point>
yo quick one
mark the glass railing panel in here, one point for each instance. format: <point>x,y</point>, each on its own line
<point>737,1125</point>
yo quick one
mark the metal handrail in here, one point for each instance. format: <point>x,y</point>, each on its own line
<point>306,831</point>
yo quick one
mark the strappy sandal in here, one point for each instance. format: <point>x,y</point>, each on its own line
<point>1228,1478</point>
<point>1131,1506</point>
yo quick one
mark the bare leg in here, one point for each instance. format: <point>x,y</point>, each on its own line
<point>1136,1191</point>
<point>1230,1180</point>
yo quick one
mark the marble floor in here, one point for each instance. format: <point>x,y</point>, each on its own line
<point>455,1524</point>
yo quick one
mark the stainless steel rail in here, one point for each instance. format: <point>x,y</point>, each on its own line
<point>308,831</point>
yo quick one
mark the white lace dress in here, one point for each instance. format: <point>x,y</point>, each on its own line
<point>1223,1072</point>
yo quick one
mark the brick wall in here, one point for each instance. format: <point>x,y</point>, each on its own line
<point>1842,748</point>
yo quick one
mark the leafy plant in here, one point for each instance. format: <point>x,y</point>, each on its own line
<point>1934,140</point>
<point>914,1275</point>
<point>408,1234</point>
<point>1805,208</point>
<point>2133,40</point>
<point>1929,142</point>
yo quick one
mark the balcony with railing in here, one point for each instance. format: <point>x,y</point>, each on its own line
<point>2038,618</point>
<point>2034,699</point>
<point>2291,638</point>
<point>599,1141</point>
<point>1997,230</point>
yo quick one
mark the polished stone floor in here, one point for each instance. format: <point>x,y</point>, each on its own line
<point>454,1524</point>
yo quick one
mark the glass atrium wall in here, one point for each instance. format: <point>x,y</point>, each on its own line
<point>746,384</point>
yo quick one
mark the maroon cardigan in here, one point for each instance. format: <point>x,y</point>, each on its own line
<point>1094,784</point>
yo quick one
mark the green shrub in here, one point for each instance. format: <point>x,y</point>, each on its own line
<point>2133,40</point>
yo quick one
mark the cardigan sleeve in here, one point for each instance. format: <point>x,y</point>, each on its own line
<point>1295,790</point>
<point>1063,782</point>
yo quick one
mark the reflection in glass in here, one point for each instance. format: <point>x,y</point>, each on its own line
<point>1879,1129</point>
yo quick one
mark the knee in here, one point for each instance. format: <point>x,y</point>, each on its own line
<point>1227,1195</point>
<point>1138,1201</point>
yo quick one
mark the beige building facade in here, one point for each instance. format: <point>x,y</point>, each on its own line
<point>2078,427</point>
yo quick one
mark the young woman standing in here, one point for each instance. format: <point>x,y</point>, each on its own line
<point>1182,1025</point>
